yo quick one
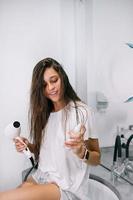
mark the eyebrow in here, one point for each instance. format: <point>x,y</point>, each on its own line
<point>53,76</point>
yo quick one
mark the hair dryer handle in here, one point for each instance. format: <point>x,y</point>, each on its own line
<point>26,151</point>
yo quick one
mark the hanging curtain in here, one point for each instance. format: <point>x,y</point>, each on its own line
<point>76,42</point>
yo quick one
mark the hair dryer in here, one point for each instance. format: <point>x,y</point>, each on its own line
<point>12,131</point>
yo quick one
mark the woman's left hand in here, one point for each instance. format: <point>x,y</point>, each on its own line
<point>76,142</point>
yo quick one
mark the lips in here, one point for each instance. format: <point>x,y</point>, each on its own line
<point>53,93</point>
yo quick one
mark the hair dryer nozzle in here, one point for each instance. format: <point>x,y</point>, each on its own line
<point>16,124</point>
<point>13,130</point>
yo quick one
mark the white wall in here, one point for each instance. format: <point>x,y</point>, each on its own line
<point>112,62</point>
<point>29,31</point>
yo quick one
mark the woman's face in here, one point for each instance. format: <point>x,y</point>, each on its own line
<point>52,85</point>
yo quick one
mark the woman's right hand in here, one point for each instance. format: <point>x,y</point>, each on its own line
<point>19,145</point>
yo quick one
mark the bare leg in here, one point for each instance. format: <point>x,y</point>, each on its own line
<point>30,182</point>
<point>31,191</point>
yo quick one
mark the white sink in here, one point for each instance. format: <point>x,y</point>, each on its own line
<point>100,189</point>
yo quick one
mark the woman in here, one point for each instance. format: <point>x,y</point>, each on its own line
<point>63,155</point>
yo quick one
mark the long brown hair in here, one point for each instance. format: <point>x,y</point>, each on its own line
<point>40,106</point>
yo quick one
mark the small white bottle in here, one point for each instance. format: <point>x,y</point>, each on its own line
<point>77,128</point>
<point>76,131</point>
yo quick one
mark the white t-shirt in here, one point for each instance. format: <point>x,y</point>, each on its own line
<point>60,163</point>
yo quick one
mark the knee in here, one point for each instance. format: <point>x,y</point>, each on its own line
<point>26,184</point>
<point>2,196</point>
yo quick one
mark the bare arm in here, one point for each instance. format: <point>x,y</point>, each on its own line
<point>79,145</point>
<point>94,151</point>
<point>20,146</point>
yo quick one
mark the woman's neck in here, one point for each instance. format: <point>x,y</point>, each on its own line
<point>59,105</point>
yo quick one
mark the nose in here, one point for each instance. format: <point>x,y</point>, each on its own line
<point>50,86</point>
